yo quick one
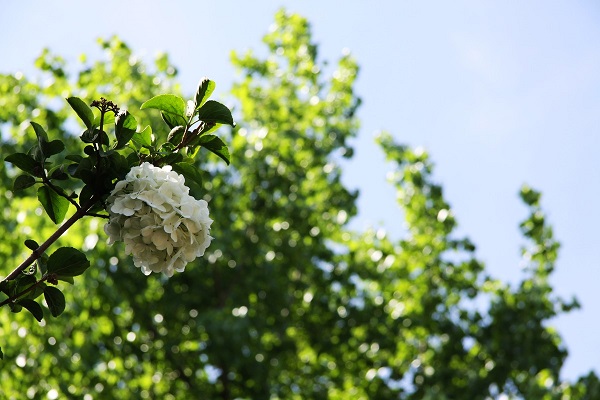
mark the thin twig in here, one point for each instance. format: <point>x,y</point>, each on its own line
<point>37,253</point>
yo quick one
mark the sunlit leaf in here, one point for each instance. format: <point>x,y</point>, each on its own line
<point>205,89</point>
<point>172,108</point>
<point>143,138</point>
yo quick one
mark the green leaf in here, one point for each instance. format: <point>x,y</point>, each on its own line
<point>172,108</point>
<point>58,172</point>
<point>84,112</point>
<point>51,148</point>
<point>68,279</point>
<point>125,126</point>
<point>214,112</point>
<point>74,157</point>
<point>193,178</point>
<point>33,307</point>
<point>42,263</point>
<point>55,205</point>
<point>55,300</point>
<point>1,354</point>
<point>143,138</point>
<point>216,145</point>
<point>31,244</point>
<point>109,118</point>
<point>23,182</point>
<point>37,291</point>
<point>39,132</point>
<point>176,134</point>
<point>67,261</point>
<point>205,89</point>
<point>23,282</point>
<point>24,162</point>
<point>171,159</point>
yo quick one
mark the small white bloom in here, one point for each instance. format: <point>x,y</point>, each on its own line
<point>162,225</point>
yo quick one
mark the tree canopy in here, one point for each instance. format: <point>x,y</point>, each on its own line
<point>288,302</point>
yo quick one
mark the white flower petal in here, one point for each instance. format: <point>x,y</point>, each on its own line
<point>162,226</point>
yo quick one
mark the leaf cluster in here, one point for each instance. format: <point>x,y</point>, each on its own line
<point>104,160</point>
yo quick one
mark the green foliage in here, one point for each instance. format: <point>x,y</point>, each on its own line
<point>86,180</point>
<point>288,302</point>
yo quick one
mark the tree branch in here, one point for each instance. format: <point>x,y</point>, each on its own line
<point>37,253</point>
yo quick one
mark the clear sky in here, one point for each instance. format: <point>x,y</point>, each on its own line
<point>499,93</point>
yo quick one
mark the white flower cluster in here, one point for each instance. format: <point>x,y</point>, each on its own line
<point>162,225</point>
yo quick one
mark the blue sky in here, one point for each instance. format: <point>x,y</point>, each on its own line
<point>499,94</point>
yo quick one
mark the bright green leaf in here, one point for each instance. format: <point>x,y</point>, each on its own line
<point>67,261</point>
<point>214,112</point>
<point>23,182</point>
<point>143,138</point>
<point>109,118</point>
<point>84,112</point>
<point>205,89</point>
<point>55,205</point>
<point>33,307</point>
<point>55,300</point>
<point>172,108</point>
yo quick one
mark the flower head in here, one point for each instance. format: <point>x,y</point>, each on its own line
<point>162,225</point>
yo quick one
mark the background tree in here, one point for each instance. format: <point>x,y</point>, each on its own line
<point>288,302</point>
